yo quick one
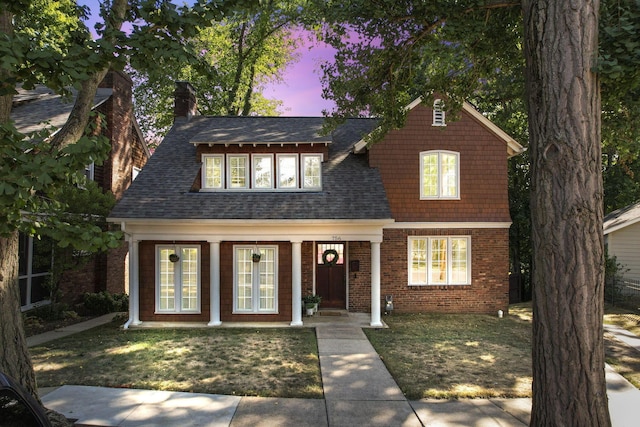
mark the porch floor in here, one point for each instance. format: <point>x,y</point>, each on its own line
<point>322,317</point>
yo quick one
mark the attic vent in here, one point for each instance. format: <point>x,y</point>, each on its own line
<point>438,113</point>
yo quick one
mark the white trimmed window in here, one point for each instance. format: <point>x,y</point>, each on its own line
<point>311,171</point>
<point>439,260</point>
<point>438,113</point>
<point>262,171</point>
<point>212,171</point>
<point>238,171</point>
<point>89,171</point>
<point>287,171</point>
<point>439,175</point>
<point>255,276</point>
<point>177,279</point>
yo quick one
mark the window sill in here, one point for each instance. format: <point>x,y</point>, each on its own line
<point>440,286</point>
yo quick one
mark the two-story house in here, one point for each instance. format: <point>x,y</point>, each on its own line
<point>32,111</point>
<point>237,218</point>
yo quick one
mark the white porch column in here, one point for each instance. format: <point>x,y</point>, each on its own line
<point>296,283</point>
<point>134,285</point>
<point>214,284</point>
<point>375,284</point>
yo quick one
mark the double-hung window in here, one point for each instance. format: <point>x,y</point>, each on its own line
<point>262,171</point>
<point>287,171</point>
<point>439,175</point>
<point>255,272</point>
<point>213,171</point>
<point>311,171</point>
<point>177,279</point>
<point>439,260</point>
<point>238,171</point>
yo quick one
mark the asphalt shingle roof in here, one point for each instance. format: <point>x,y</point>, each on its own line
<point>622,218</point>
<point>350,188</point>
<point>262,130</point>
<point>34,109</point>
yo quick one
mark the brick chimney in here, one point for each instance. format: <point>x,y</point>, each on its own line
<point>185,103</point>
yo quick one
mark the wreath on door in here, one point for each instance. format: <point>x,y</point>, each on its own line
<point>333,260</point>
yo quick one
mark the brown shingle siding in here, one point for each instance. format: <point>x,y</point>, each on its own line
<point>483,170</point>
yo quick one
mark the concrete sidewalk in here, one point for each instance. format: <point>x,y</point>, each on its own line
<point>358,390</point>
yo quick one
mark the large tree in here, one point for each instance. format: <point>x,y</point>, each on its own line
<point>238,56</point>
<point>35,167</point>
<point>390,52</point>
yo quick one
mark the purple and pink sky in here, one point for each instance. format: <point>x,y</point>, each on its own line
<point>300,90</point>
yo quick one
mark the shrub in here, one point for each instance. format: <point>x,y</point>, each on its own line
<point>105,302</point>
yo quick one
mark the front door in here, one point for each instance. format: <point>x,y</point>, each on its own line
<point>330,275</point>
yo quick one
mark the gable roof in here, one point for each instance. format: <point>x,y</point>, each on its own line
<point>34,109</point>
<point>621,218</point>
<point>351,190</point>
<point>513,147</point>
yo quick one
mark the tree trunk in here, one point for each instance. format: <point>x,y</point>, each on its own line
<point>561,47</point>
<point>15,360</point>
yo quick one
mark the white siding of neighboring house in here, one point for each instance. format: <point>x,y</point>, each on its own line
<point>625,245</point>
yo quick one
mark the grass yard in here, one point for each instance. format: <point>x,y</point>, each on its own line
<point>429,355</point>
<point>456,356</point>
<point>257,362</point>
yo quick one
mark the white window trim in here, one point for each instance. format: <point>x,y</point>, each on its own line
<point>135,171</point>
<point>302,162</point>
<point>255,282</point>
<point>297,167</point>
<point>439,196</point>
<point>410,240</point>
<point>253,173</point>
<point>438,113</point>
<point>178,288</point>
<point>203,181</point>
<point>247,168</point>
<point>89,171</point>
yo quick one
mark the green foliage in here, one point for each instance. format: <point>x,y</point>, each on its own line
<point>228,62</point>
<point>104,302</point>
<point>390,53</point>
<point>39,182</point>
<point>56,311</point>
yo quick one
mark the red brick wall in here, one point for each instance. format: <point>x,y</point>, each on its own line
<point>489,289</point>
<point>110,271</point>
<point>147,278</point>
<point>483,169</point>
<point>360,281</point>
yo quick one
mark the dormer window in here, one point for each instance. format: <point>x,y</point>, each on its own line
<point>287,171</point>
<point>238,171</point>
<point>265,171</point>
<point>262,171</point>
<point>438,113</point>
<point>213,172</point>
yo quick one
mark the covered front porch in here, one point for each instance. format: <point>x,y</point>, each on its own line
<point>217,237</point>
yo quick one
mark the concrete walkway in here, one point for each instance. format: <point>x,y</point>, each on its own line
<point>358,390</point>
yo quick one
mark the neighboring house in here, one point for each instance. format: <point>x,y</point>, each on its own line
<point>32,110</point>
<point>235,219</point>
<point>622,238</point>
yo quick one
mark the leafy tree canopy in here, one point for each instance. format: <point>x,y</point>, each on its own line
<point>231,62</point>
